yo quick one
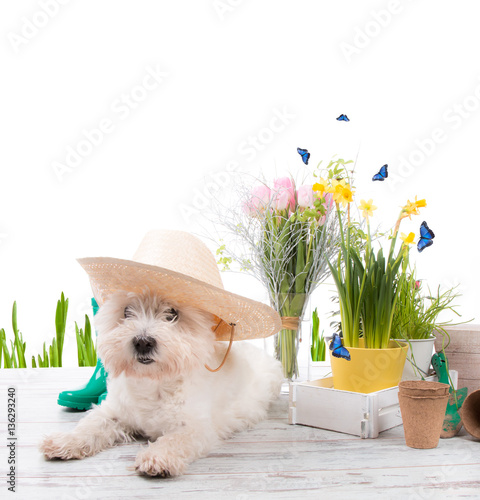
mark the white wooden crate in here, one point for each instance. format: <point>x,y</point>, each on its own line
<point>317,404</point>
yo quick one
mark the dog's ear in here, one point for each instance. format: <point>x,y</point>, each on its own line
<point>171,315</point>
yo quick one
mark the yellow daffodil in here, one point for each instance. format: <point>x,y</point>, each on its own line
<point>411,208</point>
<point>367,208</point>
<point>346,195</point>
<point>420,203</point>
<point>337,189</point>
<point>321,186</point>
<point>407,239</point>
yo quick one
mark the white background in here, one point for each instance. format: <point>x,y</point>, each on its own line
<point>402,71</point>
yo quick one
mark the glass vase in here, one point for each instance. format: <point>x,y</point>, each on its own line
<point>286,351</point>
<point>291,308</point>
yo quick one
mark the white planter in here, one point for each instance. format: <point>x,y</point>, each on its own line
<point>318,404</point>
<point>318,369</point>
<point>419,356</point>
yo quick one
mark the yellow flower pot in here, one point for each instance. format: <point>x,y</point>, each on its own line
<point>369,370</point>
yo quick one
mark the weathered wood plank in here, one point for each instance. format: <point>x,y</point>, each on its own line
<point>276,456</point>
<point>415,483</point>
<point>263,431</point>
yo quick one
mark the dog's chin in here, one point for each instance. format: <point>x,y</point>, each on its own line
<point>148,367</point>
<point>145,360</point>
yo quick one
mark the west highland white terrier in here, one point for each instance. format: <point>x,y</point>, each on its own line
<point>155,354</point>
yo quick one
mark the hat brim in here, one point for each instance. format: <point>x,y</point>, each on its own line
<point>252,319</point>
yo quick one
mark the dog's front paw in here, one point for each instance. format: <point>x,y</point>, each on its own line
<point>152,463</point>
<point>65,446</point>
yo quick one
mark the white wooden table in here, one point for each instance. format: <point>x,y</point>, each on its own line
<point>273,460</point>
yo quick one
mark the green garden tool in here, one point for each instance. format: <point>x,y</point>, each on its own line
<point>453,421</point>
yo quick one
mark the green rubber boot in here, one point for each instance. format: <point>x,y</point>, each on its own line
<point>93,393</point>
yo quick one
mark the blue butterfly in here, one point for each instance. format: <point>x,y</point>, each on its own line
<point>343,118</point>
<point>304,154</point>
<point>382,174</point>
<point>337,348</point>
<point>426,237</point>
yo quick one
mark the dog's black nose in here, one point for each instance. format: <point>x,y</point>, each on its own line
<point>144,345</point>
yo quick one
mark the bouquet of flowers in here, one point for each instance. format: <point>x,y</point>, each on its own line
<point>287,235</point>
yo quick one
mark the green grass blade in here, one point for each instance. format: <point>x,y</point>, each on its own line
<point>2,338</point>
<point>46,363</point>
<point>20,350</point>
<point>14,317</point>
<point>88,340</point>
<point>7,359</point>
<point>84,356</point>
<point>60,326</point>
<point>14,355</point>
<point>77,335</point>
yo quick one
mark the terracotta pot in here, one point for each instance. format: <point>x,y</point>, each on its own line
<point>423,406</point>
<point>369,370</point>
<point>470,414</point>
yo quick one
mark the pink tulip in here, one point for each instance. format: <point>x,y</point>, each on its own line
<point>259,199</point>
<point>284,194</point>
<point>328,201</point>
<point>305,196</point>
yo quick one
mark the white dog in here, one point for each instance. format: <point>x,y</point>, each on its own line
<point>155,354</point>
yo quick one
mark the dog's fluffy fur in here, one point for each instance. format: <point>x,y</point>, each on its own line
<point>167,394</point>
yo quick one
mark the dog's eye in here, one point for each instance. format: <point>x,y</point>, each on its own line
<point>128,313</point>
<point>171,315</point>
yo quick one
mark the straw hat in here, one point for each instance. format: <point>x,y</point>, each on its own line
<point>180,267</point>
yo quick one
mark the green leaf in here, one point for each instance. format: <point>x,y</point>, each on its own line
<point>14,356</point>
<point>20,352</point>
<point>2,337</point>
<point>60,326</point>
<point>86,352</point>
<point>7,359</point>
<point>88,340</point>
<point>14,318</point>
<point>79,343</point>
<point>46,361</point>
